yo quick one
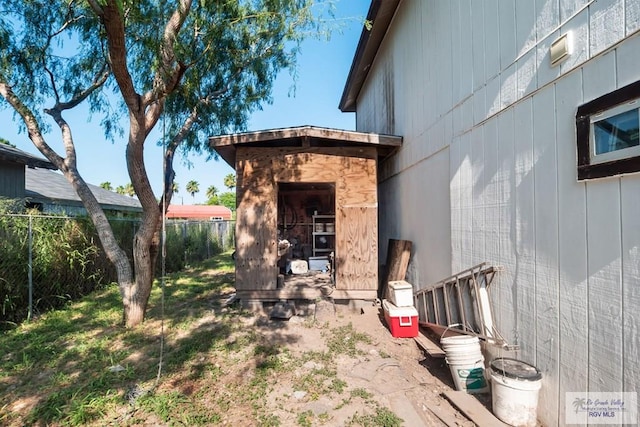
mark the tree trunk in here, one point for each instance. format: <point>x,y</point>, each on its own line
<point>112,249</point>
<point>137,297</point>
<point>145,249</point>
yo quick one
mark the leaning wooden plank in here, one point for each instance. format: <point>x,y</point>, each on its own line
<point>428,345</point>
<point>473,409</point>
<point>398,254</point>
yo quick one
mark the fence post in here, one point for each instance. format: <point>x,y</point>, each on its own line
<point>30,269</point>
<point>184,241</point>
<point>208,237</point>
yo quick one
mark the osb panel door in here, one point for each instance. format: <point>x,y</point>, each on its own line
<point>357,243</point>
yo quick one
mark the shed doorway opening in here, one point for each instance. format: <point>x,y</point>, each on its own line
<point>306,223</point>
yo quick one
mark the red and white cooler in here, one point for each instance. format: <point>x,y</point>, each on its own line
<point>402,321</point>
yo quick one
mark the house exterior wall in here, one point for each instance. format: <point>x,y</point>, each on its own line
<point>11,180</point>
<point>489,131</point>
<point>352,170</point>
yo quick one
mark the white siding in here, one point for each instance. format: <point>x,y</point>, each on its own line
<point>524,284</point>
<point>424,209</point>
<point>503,291</point>
<point>426,120</point>
<point>628,64</point>
<point>606,24</point>
<point>546,248</point>
<point>487,172</point>
<point>603,254</point>
<point>630,189</point>
<point>572,247</point>
<point>632,14</point>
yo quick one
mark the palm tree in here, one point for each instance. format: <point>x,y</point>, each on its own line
<point>212,192</point>
<point>175,187</point>
<point>120,189</point>
<point>106,185</point>
<point>230,181</point>
<point>128,190</point>
<point>192,188</point>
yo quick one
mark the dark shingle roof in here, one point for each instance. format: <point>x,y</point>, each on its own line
<point>11,154</point>
<point>42,185</point>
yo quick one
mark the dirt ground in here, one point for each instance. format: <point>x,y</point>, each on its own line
<point>396,373</point>
<point>331,365</point>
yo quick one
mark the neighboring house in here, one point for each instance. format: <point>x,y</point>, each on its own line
<point>13,163</point>
<point>520,149</point>
<point>24,176</point>
<point>199,212</point>
<point>50,192</point>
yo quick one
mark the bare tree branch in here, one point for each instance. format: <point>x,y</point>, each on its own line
<point>152,115</point>
<point>70,161</point>
<point>169,173</point>
<point>96,7</point>
<point>56,114</point>
<point>171,70</point>
<point>35,134</point>
<point>98,81</point>
<point>114,27</point>
<point>70,20</point>
<point>171,30</point>
<point>177,140</point>
<point>53,83</point>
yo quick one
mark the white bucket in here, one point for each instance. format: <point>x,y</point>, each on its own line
<point>515,386</point>
<point>466,363</point>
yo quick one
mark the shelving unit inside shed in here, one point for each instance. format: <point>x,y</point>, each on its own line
<point>304,208</point>
<point>324,234</point>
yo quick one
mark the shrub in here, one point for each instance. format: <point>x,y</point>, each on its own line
<point>65,263</point>
<point>67,260</point>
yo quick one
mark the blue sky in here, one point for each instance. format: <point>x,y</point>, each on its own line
<point>322,71</point>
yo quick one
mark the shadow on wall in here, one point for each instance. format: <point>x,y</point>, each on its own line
<point>256,230</point>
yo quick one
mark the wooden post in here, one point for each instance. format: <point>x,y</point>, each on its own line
<point>398,255</point>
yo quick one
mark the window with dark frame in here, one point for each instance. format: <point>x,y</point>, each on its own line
<point>607,134</point>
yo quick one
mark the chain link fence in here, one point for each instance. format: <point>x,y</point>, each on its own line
<point>45,261</point>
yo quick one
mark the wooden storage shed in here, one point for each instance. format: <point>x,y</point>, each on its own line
<point>315,189</point>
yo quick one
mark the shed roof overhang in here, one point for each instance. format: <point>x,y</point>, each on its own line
<point>380,14</point>
<point>303,136</point>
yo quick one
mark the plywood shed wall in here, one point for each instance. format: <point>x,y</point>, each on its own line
<point>352,170</point>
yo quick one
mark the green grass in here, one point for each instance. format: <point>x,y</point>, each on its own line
<point>381,418</point>
<point>60,363</point>
<point>345,340</point>
<point>305,419</point>
<point>57,370</point>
